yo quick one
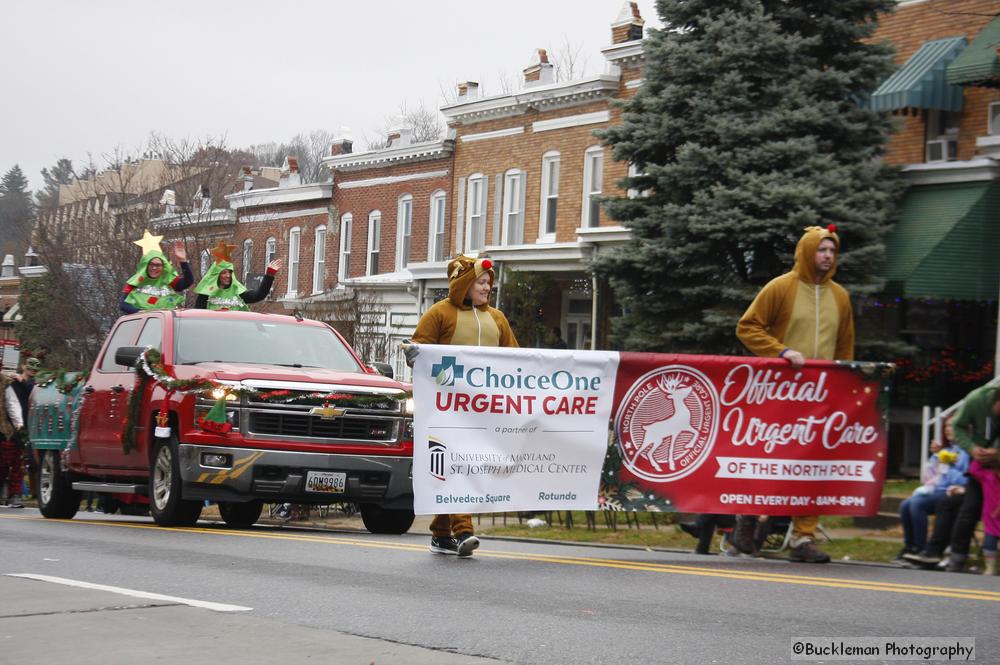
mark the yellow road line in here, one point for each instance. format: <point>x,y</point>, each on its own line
<point>617,564</point>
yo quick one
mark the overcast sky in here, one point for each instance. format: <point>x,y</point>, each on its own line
<point>90,77</point>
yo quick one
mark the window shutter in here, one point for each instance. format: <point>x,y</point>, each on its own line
<point>497,207</point>
<point>460,218</point>
<point>485,207</point>
<point>519,232</point>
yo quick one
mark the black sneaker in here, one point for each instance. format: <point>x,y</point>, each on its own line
<point>808,553</point>
<point>14,502</point>
<point>444,545</point>
<point>467,544</point>
<point>743,534</point>
<point>923,558</point>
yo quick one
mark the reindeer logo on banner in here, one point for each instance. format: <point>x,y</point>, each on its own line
<point>667,422</point>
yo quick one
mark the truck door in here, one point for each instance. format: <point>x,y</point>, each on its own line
<point>105,404</point>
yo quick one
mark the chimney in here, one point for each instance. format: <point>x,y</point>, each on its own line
<point>247,178</point>
<point>400,137</point>
<point>627,26</point>
<point>539,70</point>
<point>168,202</point>
<point>290,176</point>
<point>342,146</point>
<point>468,91</point>
<point>30,257</point>
<point>7,268</point>
<point>202,200</point>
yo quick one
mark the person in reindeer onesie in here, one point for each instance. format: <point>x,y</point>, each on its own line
<point>466,318</point>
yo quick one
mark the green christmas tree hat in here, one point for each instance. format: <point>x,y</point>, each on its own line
<point>215,420</point>
<point>149,293</point>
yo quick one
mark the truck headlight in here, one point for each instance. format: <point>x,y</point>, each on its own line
<point>408,406</point>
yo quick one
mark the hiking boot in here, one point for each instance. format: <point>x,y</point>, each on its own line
<point>14,502</point>
<point>924,558</point>
<point>467,544</point>
<point>690,528</point>
<point>743,534</point>
<point>444,545</point>
<point>807,552</point>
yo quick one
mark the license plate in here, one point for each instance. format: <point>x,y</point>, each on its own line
<point>326,482</point>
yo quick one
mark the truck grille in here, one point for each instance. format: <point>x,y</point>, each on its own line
<point>302,425</point>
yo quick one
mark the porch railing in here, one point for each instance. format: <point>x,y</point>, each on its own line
<point>934,418</point>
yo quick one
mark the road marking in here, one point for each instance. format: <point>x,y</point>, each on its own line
<point>619,564</point>
<point>215,607</point>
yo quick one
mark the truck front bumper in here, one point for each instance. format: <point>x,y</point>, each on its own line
<point>279,476</point>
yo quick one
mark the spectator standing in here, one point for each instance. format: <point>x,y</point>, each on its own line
<point>15,435</point>
<point>801,314</point>
<point>464,317</point>
<point>557,341</point>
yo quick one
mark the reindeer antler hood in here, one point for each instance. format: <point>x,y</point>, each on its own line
<point>463,271</point>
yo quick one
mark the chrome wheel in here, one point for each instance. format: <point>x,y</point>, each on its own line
<point>162,477</point>
<point>46,473</point>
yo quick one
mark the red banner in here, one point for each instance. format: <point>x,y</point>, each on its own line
<point>715,434</point>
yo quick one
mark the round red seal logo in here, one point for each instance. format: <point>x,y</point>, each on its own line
<point>666,423</point>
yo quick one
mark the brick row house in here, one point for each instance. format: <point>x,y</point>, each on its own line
<point>942,272</point>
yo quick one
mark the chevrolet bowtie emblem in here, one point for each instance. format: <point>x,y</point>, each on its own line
<point>327,412</point>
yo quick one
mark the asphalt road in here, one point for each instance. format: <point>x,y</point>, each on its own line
<point>346,597</point>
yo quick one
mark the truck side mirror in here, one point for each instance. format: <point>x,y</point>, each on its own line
<point>127,355</point>
<point>385,369</point>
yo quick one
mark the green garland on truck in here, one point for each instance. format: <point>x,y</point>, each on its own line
<point>151,369</point>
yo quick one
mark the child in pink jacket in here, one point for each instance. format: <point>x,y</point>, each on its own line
<point>990,480</point>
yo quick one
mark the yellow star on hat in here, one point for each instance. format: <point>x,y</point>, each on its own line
<point>223,252</point>
<point>149,242</point>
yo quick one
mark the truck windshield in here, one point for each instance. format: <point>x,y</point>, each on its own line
<point>259,342</point>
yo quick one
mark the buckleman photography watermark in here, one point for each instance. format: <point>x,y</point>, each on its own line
<point>884,648</point>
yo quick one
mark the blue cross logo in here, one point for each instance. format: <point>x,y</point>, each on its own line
<point>446,371</point>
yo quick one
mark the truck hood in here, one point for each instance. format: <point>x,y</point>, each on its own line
<point>237,372</point>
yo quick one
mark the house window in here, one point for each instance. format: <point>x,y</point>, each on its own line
<point>994,119</point>
<point>404,230</point>
<point>319,259</point>
<point>435,251</point>
<point>475,215</point>
<point>942,135</point>
<point>374,238</point>
<point>634,172</point>
<point>593,173</point>
<point>550,196</point>
<point>293,261</point>
<point>513,207</point>
<point>247,257</point>
<point>346,223</point>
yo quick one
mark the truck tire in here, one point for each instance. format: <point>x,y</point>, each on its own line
<point>165,502</point>
<point>240,515</point>
<point>56,497</point>
<point>384,520</point>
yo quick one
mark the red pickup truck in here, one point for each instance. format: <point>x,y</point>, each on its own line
<point>310,423</point>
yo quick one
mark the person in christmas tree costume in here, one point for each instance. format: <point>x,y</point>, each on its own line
<point>219,290</point>
<point>464,317</point>
<point>155,284</point>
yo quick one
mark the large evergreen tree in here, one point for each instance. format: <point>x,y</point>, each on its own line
<point>16,212</point>
<point>747,129</point>
<point>61,173</point>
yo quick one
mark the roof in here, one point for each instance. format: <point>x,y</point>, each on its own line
<point>979,63</point>
<point>921,82</point>
<point>944,244</point>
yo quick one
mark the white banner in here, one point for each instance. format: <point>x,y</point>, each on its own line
<point>509,429</point>
<point>751,468</point>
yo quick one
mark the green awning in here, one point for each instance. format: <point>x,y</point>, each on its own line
<point>980,63</point>
<point>922,82</point>
<point>945,243</point>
